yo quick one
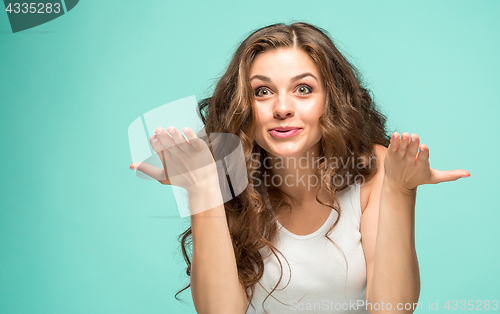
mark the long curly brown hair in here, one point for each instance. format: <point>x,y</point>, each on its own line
<point>351,126</point>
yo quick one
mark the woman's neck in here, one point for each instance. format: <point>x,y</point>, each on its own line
<point>295,175</point>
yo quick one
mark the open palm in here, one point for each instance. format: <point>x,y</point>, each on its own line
<point>186,163</point>
<point>408,167</point>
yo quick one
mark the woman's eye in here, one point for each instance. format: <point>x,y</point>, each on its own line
<point>261,89</point>
<point>303,88</point>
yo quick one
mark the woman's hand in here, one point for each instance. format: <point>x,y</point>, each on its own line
<point>406,167</point>
<point>188,164</point>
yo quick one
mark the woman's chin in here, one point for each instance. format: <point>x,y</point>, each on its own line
<point>284,153</point>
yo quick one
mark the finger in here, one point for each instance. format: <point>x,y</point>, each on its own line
<point>180,142</point>
<point>423,154</point>
<point>164,138</point>
<point>393,146</point>
<point>412,150</point>
<point>466,174</point>
<point>162,153</point>
<point>193,139</point>
<point>168,144</point>
<point>195,142</point>
<point>159,149</point>
<point>151,171</point>
<point>403,143</point>
<point>439,176</point>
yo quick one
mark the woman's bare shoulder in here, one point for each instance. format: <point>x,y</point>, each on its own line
<point>376,180</point>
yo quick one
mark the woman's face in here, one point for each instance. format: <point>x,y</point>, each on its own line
<point>288,91</point>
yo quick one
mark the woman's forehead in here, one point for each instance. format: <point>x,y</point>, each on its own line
<point>284,63</point>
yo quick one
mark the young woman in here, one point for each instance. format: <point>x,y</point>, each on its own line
<point>327,219</point>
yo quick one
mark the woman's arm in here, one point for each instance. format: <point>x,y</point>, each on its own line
<point>215,286</point>
<point>388,224</point>
<point>393,276</point>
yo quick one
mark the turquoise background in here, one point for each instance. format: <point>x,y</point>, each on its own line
<point>76,233</point>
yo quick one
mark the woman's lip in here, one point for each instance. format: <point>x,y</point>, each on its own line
<point>285,128</point>
<point>289,133</point>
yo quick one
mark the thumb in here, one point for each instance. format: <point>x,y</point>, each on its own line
<point>438,176</point>
<point>151,171</point>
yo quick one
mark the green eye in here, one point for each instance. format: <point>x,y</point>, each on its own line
<point>303,89</point>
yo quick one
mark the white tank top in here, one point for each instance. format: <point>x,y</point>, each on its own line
<point>317,282</point>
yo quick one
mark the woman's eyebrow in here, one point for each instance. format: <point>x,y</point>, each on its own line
<point>295,78</point>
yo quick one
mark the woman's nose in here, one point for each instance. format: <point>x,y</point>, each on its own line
<point>283,108</point>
